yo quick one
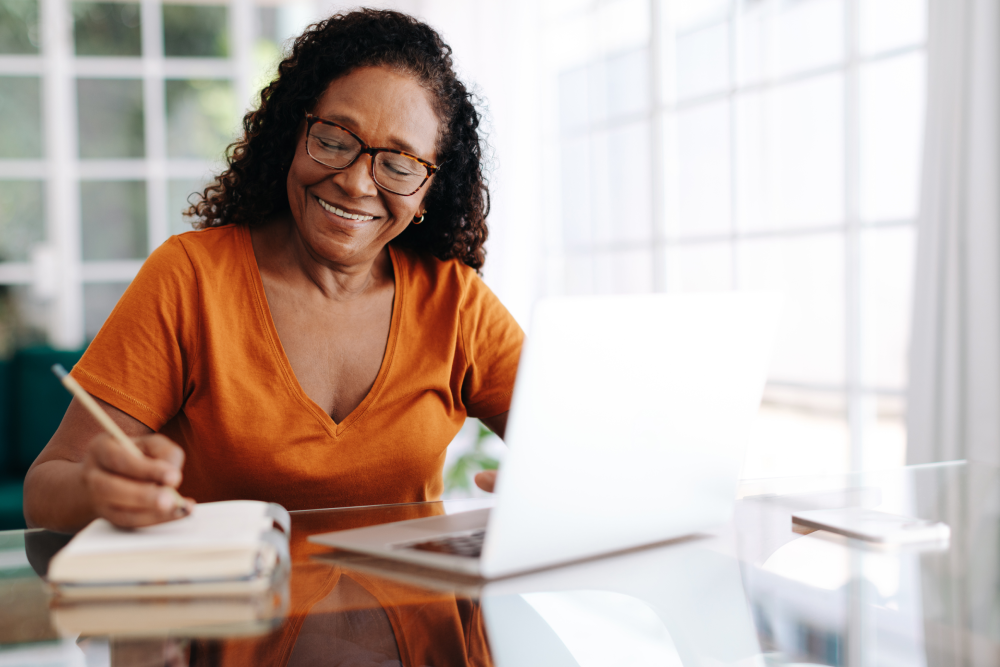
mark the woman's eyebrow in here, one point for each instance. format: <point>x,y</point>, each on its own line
<point>350,123</point>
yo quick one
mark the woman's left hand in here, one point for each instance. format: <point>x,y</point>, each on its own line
<point>486,480</point>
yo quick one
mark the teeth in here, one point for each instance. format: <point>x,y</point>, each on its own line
<point>344,214</point>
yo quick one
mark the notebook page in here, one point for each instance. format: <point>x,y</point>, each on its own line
<point>230,524</point>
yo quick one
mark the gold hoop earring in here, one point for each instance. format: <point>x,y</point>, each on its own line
<point>417,221</point>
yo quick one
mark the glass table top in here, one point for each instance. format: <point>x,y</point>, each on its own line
<point>756,592</point>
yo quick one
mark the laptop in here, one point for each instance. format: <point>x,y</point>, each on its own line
<point>627,427</point>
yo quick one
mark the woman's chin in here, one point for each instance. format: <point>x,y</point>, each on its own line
<point>342,246</point>
<point>343,241</point>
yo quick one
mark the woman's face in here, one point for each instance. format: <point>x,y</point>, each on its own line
<point>385,109</point>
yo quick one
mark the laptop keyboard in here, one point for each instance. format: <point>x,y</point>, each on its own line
<point>468,544</point>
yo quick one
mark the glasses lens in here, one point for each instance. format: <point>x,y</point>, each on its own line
<point>399,173</point>
<point>332,146</point>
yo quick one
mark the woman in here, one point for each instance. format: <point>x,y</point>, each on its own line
<point>323,336</point>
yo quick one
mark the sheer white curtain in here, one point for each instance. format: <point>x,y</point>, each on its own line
<point>954,395</point>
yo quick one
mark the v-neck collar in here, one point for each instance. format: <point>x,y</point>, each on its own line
<point>278,351</point>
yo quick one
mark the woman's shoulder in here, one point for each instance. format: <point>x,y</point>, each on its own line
<point>210,241</point>
<point>209,250</point>
<point>423,270</point>
<point>447,287</point>
<point>201,258</point>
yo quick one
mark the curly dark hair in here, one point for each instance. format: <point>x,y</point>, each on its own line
<point>253,186</point>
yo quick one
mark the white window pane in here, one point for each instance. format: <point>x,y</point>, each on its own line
<point>600,188</point>
<point>26,317</point>
<point>555,280</point>
<point>552,9</point>
<point>597,92</point>
<point>891,24</point>
<point>573,100</point>
<point>570,42</point>
<point>190,30</point>
<point>575,181</point>
<point>775,41</point>
<point>703,61</point>
<point>884,439</point>
<point>580,274</point>
<point>113,220</point>
<point>628,83</point>
<point>892,123</point>
<point>887,288</point>
<point>630,178</point>
<point>790,155</point>
<point>798,433</point>
<point>98,302</point>
<point>22,219</point>
<point>685,14</point>
<point>668,196</point>
<point>752,150</point>
<point>276,24</point>
<point>810,34</point>
<point>752,44</point>
<point>180,193</point>
<point>582,36</point>
<point>810,272</point>
<point>616,86</point>
<point>110,115</point>
<point>620,25</point>
<point>200,118</point>
<point>621,184</point>
<point>702,174</point>
<point>699,267</point>
<point>623,272</point>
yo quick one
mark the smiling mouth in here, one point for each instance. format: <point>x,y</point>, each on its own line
<point>344,214</point>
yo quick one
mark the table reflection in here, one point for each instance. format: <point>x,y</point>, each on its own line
<point>823,599</point>
<point>757,593</point>
<point>680,603</point>
<point>350,624</point>
<point>339,616</point>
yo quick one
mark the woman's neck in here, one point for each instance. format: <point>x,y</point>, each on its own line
<point>283,254</point>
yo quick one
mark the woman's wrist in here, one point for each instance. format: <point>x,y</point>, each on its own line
<point>56,497</point>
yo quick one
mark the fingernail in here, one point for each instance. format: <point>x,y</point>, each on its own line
<point>172,477</point>
<point>165,501</point>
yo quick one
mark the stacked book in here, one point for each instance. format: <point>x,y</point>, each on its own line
<point>218,572</point>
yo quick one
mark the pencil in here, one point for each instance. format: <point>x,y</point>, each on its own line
<point>104,419</point>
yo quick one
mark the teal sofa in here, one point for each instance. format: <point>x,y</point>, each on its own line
<point>32,403</point>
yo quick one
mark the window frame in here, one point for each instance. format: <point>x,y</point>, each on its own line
<point>859,397</point>
<point>62,170</point>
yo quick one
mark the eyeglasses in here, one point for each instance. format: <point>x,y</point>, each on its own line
<point>335,146</point>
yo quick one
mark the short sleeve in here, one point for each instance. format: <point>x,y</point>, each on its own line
<point>140,360</point>
<point>492,340</point>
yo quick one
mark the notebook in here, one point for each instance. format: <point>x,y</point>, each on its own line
<point>225,548</point>
<point>628,427</point>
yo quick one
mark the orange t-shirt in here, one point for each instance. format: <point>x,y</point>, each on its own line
<point>191,351</point>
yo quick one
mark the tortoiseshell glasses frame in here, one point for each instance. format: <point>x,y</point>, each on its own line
<point>374,153</point>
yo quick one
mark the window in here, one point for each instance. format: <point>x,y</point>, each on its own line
<point>754,144</point>
<point>109,126</point>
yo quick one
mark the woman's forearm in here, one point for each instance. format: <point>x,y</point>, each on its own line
<point>56,498</point>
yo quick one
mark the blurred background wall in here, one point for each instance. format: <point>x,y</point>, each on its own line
<point>638,146</point>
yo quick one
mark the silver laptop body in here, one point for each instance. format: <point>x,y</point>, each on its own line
<point>627,427</point>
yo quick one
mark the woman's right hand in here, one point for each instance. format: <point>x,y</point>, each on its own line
<point>132,491</point>
<point>83,474</point>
